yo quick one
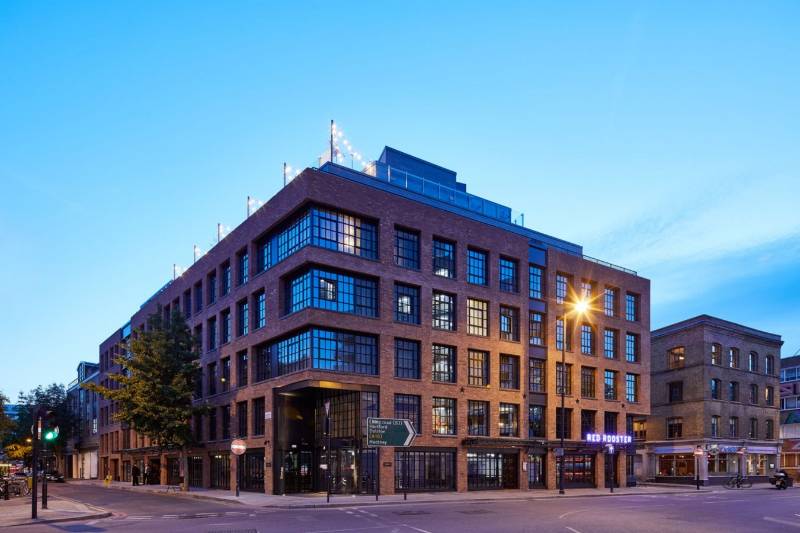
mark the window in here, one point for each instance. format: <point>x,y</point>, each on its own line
<point>478,363</point>
<point>243,318</point>
<point>640,430</point>
<point>225,380</point>
<point>753,433</point>
<point>212,333</point>
<point>752,362</point>
<point>226,278</point>
<point>424,470</point>
<point>587,289</point>
<point>588,422</point>
<point>225,332</point>
<point>333,291</point>
<point>509,420</point>
<point>509,323</point>
<point>241,419</point>
<point>769,395</point>
<point>444,416</point>
<point>536,421</point>
<point>610,384</point>
<point>535,275</point>
<point>187,303</point>
<point>406,248</point>
<point>409,406</point>
<point>733,426</point>
<point>444,363</point>
<point>341,232</point>
<point>587,339</point>
<point>562,283</point>
<point>211,283</point>
<point>477,317</point>
<point>443,310</point>
<point>753,393</point>
<point>675,391</point>
<point>198,296</point>
<point>676,357</point>
<point>536,375</point>
<point>610,343</point>
<point>716,354</point>
<point>509,372</point>
<point>675,427</point>
<point>632,388</point>
<point>241,369</point>
<point>770,429</point>
<point>769,365</point>
<point>560,345</point>
<point>258,416</point>
<point>733,391</point>
<point>478,418</point>
<point>536,328</point>
<point>610,423</point>
<point>243,259</point>
<point>587,381</point>
<point>325,349</point>
<point>477,267</point>
<point>406,359</point>
<point>509,275</point>
<point>444,258</point>
<point>733,357</point>
<point>631,307</point>
<point>262,362</point>
<point>263,255</point>
<point>610,301</point>
<point>212,425</point>
<point>563,423</point>
<point>406,300</point>
<point>632,352</point>
<point>226,421</point>
<point>716,389</point>
<point>563,379</point>
<point>261,310</point>
<point>715,426</point>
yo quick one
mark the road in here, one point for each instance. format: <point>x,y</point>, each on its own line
<point>731,511</point>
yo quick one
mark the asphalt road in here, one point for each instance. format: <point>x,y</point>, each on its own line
<point>730,511</point>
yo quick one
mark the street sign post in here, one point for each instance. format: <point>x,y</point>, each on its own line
<point>238,447</point>
<point>395,432</point>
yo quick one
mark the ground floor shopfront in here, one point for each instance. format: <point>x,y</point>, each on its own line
<point>712,462</point>
<point>82,464</point>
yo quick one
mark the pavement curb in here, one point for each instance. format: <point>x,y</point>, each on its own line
<point>95,516</point>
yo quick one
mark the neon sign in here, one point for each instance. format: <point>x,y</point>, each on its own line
<point>608,439</point>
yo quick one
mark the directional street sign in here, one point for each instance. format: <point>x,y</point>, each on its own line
<point>389,432</point>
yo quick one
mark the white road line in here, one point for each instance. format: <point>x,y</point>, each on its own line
<point>561,517</point>
<point>423,530</point>
<point>779,521</point>
<point>572,529</point>
<point>726,501</point>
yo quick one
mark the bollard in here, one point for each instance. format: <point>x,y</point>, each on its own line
<point>5,494</point>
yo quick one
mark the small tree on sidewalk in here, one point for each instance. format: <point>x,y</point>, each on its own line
<point>157,383</point>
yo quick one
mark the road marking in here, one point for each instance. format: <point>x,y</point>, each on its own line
<point>726,501</point>
<point>355,529</point>
<point>572,529</point>
<point>779,521</point>
<point>572,512</point>
<point>426,531</point>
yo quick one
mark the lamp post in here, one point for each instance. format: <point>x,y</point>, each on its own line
<point>579,307</point>
<point>698,453</point>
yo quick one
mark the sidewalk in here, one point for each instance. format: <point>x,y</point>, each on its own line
<point>301,501</point>
<point>17,511</point>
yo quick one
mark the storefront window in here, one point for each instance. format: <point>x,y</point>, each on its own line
<point>676,465</point>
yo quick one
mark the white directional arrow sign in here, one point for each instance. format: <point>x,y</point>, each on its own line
<point>396,432</point>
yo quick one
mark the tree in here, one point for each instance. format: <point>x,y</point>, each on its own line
<point>6,424</point>
<point>157,383</point>
<point>51,399</point>
<point>19,452</point>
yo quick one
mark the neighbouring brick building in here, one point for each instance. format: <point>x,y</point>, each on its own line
<point>714,386</point>
<point>81,451</point>
<point>394,293</point>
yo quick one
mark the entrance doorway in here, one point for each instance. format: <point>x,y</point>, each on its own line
<point>298,468</point>
<point>578,470</point>
<point>536,471</point>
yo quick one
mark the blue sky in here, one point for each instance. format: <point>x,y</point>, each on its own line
<point>661,136</point>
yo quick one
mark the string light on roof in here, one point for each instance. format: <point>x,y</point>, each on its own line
<point>338,141</point>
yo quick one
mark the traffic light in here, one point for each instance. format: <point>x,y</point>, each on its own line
<point>51,434</point>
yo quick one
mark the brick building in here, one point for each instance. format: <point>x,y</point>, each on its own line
<point>81,450</point>
<point>392,292</point>
<point>714,386</point>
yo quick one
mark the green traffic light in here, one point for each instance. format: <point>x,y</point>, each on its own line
<point>50,435</point>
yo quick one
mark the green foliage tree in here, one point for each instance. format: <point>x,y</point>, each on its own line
<point>6,424</point>
<point>19,452</point>
<point>157,383</point>
<point>52,398</point>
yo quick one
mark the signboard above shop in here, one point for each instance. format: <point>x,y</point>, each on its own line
<point>604,438</point>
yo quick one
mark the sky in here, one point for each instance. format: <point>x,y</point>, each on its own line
<point>660,136</point>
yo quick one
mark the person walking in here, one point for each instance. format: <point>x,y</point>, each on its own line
<point>135,474</point>
<point>146,474</point>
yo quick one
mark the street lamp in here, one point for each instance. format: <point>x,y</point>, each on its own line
<point>698,453</point>
<point>579,308</point>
